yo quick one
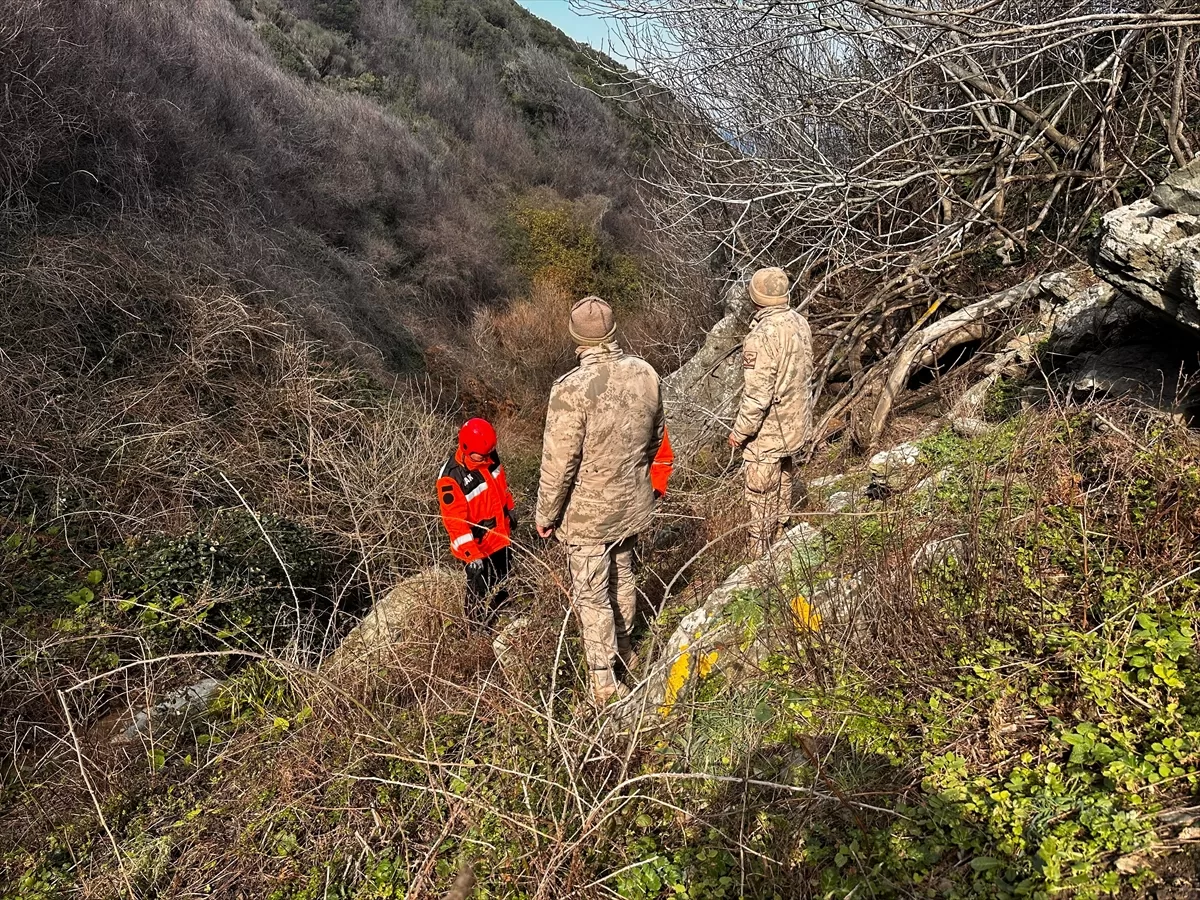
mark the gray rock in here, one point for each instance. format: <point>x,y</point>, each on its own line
<point>840,602</point>
<point>832,492</point>
<point>174,706</point>
<point>825,481</point>
<point>970,428</point>
<point>938,552</point>
<point>840,500</point>
<point>1099,313</point>
<point>1180,193</point>
<point>971,404</point>
<point>410,608</point>
<point>701,395</point>
<point>929,485</point>
<point>1153,255</point>
<point>1145,371</point>
<point>891,468</point>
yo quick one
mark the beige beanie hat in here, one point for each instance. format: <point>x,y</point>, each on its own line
<point>592,321</point>
<point>769,287</point>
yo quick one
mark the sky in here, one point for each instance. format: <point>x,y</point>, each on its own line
<point>586,29</point>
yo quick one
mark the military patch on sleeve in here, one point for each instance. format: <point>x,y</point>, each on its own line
<point>749,358</point>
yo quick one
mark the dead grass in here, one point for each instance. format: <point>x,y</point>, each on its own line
<point>433,754</point>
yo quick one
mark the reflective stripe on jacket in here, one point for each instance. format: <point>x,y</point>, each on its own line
<point>475,505</point>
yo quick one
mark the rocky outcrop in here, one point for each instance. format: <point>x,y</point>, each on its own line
<point>700,396</point>
<point>708,640</point>
<point>1180,193</point>
<point>1089,317</point>
<point>410,609</point>
<point>1153,254</point>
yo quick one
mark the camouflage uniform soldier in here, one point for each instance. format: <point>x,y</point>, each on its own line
<point>604,461</point>
<point>775,417</point>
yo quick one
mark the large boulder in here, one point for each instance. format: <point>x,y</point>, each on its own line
<point>701,395</point>
<point>1153,254</point>
<point>410,610</point>
<point>1092,316</point>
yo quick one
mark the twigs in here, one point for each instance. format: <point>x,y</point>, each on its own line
<point>943,334</point>
<point>880,147</point>
<point>95,798</point>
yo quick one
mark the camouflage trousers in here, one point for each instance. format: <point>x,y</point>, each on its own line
<point>769,496</point>
<point>605,598</point>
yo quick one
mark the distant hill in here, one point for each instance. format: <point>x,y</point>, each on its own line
<point>359,161</point>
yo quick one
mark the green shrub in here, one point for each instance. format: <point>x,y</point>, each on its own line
<point>286,52</point>
<point>558,241</point>
<point>340,15</point>
<point>327,52</point>
<point>224,582</point>
<point>1003,400</point>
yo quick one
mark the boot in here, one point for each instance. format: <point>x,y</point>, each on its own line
<point>625,652</point>
<point>605,687</point>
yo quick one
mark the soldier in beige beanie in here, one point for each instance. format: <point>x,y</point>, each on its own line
<point>775,417</point>
<point>592,322</point>
<point>602,458</point>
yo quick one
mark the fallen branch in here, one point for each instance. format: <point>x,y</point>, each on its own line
<point>959,327</point>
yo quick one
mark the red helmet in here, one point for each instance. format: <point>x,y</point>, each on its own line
<point>477,436</point>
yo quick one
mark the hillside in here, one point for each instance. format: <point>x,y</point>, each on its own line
<point>358,162</point>
<point>260,257</point>
<point>254,256</point>
<point>228,228</point>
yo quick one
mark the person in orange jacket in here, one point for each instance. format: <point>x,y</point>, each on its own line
<point>477,510</point>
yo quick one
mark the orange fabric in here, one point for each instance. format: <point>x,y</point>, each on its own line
<point>664,463</point>
<point>475,519</point>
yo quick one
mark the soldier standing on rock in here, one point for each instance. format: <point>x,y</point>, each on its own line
<point>775,417</point>
<point>605,459</point>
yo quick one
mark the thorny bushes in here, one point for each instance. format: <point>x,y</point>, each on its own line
<point>898,158</point>
<point>1016,720</point>
<point>184,474</point>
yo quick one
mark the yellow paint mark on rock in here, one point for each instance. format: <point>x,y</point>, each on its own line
<point>676,679</point>
<point>678,675</point>
<point>805,615</point>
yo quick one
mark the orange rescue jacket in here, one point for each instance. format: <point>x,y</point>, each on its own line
<point>664,462</point>
<point>476,506</point>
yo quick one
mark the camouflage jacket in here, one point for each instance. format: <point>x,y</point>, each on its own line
<point>775,416</point>
<point>604,426</point>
